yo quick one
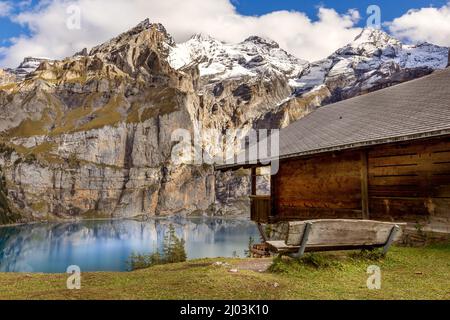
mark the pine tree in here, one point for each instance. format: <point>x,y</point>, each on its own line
<point>173,247</point>
<point>173,251</point>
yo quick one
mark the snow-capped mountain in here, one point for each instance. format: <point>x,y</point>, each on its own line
<point>28,65</point>
<point>373,60</point>
<point>219,61</point>
<point>294,87</point>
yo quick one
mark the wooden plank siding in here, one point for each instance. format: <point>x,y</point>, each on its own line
<point>319,187</point>
<point>411,182</point>
<point>260,208</point>
<point>405,182</point>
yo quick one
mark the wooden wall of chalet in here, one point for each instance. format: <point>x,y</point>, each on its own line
<point>405,182</point>
<point>411,182</point>
<point>319,187</point>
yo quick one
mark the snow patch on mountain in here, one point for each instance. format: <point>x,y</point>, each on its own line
<point>370,59</point>
<point>218,60</point>
<point>373,56</point>
<point>28,65</point>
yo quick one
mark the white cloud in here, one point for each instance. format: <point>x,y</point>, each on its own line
<point>5,8</point>
<point>426,24</point>
<point>103,19</point>
<point>23,4</point>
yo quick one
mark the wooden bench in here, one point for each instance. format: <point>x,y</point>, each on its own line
<point>298,237</point>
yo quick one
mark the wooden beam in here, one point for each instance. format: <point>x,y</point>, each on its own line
<point>274,195</point>
<point>253,186</point>
<point>364,186</point>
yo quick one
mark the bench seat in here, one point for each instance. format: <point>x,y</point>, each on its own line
<point>282,247</point>
<point>298,237</point>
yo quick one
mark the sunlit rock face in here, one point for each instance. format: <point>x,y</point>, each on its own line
<point>91,135</point>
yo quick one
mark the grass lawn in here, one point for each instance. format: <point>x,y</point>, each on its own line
<point>407,273</point>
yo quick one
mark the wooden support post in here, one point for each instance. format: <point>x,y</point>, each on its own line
<point>364,186</point>
<point>253,191</point>
<point>273,195</point>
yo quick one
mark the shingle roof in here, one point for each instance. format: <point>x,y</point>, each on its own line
<point>411,110</point>
<point>407,111</point>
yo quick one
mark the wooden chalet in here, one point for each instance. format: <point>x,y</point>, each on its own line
<point>381,156</point>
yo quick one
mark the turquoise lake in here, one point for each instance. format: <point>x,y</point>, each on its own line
<point>106,245</point>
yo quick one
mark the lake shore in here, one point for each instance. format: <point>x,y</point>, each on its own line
<point>242,217</point>
<point>407,273</point>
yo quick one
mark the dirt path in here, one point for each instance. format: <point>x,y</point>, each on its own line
<point>257,265</point>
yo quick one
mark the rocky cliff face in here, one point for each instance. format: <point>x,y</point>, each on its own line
<point>6,77</point>
<point>90,135</point>
<point>7,213</point>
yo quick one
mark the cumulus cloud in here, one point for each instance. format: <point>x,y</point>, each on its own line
<point>103,19</point>
<point>426,24</point>
<point>5,8</point>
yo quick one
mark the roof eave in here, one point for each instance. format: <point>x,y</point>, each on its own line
<point>350,146</point>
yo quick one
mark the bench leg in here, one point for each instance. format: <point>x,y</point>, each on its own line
<point>390,239</point>
<point>262,232</point>
<point>303,243</point>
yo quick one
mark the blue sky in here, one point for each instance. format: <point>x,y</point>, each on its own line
<point>390,9</point>
<point>9,29</point>
<point>320,28</point>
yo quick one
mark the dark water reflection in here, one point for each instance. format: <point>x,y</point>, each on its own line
<point>106,245</point>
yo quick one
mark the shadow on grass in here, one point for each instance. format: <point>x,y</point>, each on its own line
<point>369,255</point>
<point>444,246</point>
<point>322,261</point>
<point>311,260</point>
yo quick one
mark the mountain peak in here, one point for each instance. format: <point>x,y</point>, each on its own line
<point>27,66</point>
<point>138,51</point>
<point>146,24</point>
<point>372,42</point>
<point>376,37</point>
<point>371,32</point>
<point>139,31</point>
<point>262,41</point>
<point>203,37</point>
